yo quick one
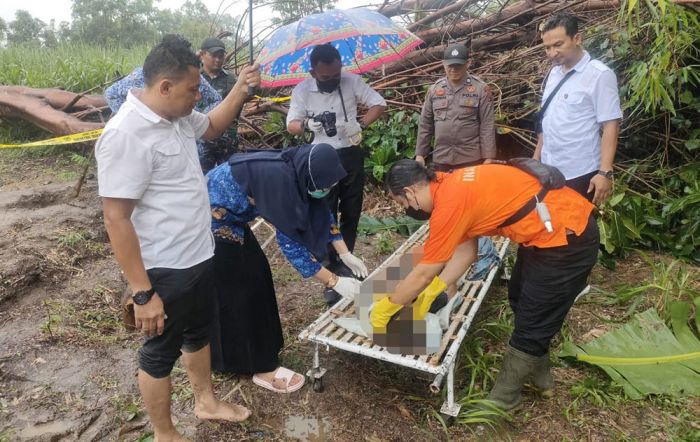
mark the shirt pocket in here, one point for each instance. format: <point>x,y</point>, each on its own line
<point>168,159</point>
<point>575,102</point>
<point>468,109</point>
<point>440,109</point>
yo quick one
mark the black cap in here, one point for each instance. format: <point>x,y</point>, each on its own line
<point>213,45</point>
<point>455,54</point>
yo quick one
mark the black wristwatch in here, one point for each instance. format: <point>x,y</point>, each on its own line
<point>143,296</point>
<point>609,174</point>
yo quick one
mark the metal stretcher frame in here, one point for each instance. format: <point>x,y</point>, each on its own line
<point>323,331</point>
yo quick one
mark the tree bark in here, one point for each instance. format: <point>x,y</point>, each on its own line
<point>39,109</point>
<point>520,12</point>
<point>406,6</point>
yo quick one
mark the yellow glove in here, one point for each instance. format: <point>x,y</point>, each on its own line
<point>382,312</point>
<point>426,297</point>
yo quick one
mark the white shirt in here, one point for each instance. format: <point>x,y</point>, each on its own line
<point>572,123</point>
<point>308,101</point>
<point>144,157</point>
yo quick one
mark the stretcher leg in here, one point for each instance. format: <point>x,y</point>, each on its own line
<point>315,375</point>
<point>450,409</point>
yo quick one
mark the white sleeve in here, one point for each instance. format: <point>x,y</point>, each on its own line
<point>297,105</point>
<point>199,122</point>
<point>366,95</point>
<point>606,97</point>
<point>124,165</point>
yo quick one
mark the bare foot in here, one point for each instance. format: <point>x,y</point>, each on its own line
<point>280,383</point>
<point>222,411</point>
<point>170,437</point>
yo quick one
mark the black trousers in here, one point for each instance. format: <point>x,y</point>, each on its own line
<point>544,285</point>
<point>345,199</point>
<point>580,184</point>
<point>187,296</point>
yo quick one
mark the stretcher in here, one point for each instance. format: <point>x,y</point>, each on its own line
<point>325,332</point>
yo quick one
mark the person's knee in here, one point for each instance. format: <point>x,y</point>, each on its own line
<point>158,365</point>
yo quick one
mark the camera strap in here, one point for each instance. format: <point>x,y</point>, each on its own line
<point>540,113</point>
<point>342,103</point>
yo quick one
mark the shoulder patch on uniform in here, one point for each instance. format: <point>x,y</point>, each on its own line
<point>599,65</point>
<point>487,92</point>
<point>477,79</point>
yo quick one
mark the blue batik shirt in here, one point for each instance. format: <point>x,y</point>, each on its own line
<point>231,210</point>
<point>115,95</point>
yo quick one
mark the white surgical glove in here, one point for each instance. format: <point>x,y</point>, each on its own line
<point>347,287</point>
<point>353,131</point>
<point>314,126</point>
<point>355,264</point>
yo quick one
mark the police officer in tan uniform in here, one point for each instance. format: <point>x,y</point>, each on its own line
<point>458,111</point>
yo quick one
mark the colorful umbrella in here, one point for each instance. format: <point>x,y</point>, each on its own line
<point>365,39</point>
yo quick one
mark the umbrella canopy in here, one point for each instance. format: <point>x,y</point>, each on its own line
<point>365,39</point>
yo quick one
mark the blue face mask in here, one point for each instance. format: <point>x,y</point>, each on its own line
<point>319,194</point>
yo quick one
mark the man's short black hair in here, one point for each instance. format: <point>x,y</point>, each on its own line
<point>171,57</point>
<point>568,21</point>
<point>325,53</point>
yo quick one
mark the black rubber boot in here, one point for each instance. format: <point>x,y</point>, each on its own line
<point>517,367</point>
<point>542,377</point>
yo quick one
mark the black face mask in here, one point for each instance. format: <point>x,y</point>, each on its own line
<point>328,86</point>
<point>419,214</point>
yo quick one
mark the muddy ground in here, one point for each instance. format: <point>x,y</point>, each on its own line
<point>67,366</point>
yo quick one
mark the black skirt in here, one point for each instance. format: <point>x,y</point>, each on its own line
<point>246,335</point>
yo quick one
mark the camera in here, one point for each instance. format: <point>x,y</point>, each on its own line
<point>327,119</point>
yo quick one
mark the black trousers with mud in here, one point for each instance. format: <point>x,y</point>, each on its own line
<point>544,285</point>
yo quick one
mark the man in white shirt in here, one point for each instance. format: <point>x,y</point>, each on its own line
<point>326,104</point>
<point>157,216</point>
<point>580,126</point>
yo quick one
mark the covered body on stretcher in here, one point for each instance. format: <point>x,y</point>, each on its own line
<point>416,350</point>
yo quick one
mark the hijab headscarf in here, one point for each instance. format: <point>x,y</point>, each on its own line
<point>279,182</point>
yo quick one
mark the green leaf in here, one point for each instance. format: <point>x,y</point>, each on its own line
<point>686,97</point>
<point>645,357</point>
<point>692,144</point>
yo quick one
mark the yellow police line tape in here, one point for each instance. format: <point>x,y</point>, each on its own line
<point>90,135</point>
<point>95,134</point>
<point>274,99</point>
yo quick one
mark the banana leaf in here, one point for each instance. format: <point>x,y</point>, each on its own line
<point>645,357</point>
<point>405,225</point>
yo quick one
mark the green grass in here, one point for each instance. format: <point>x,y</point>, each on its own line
<point>73,67</point>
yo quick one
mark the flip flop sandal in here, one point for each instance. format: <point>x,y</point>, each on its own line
<point>280,373</point>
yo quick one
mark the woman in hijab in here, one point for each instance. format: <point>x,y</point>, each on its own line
<point>287,189</point>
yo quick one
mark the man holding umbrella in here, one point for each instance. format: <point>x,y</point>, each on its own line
<point>326,104</point>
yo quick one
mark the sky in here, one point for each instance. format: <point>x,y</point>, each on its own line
<point>60,10</point>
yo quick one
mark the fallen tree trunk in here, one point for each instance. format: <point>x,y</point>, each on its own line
<point>407,6</point>
<point>440,13</point>
<point>41,109</point>
<point>518,13</point>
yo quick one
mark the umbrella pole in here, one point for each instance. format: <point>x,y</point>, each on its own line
<point>250,40</point>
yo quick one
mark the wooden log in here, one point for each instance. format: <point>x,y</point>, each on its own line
<point>407,6</point>
<point>39,112</point>
<point>520,12</point>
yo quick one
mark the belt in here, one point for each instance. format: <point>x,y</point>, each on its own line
<point>450,167</point>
